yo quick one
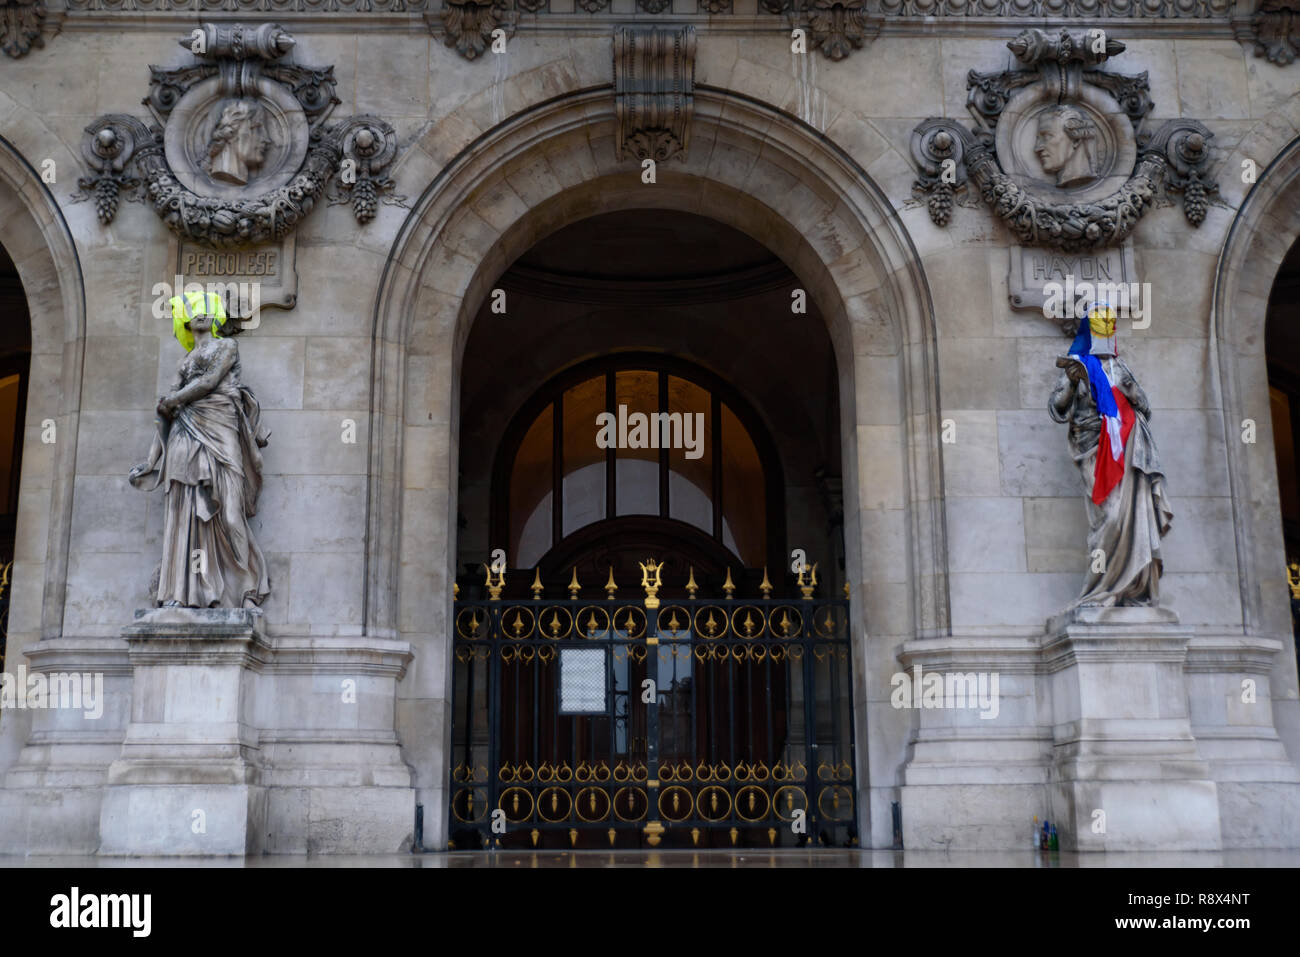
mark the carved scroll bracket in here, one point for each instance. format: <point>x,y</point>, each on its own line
<point>241,151</point>
<point>654,84</point>
<point>1058,152</point>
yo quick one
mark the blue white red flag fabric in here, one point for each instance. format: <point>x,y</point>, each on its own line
<point>1116,413</point>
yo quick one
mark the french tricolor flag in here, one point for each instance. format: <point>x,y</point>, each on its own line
<point>1116,413</point>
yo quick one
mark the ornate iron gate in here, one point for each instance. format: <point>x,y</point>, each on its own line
<point>679,723</point>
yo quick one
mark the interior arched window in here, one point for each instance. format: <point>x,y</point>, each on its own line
<point>635,436</point>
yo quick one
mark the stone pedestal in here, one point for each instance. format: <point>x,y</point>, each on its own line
<point>974,775</point>
<point>1126,774</point>
<point>188,781</point>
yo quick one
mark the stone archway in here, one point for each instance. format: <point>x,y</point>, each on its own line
<point>33,231</point>
<point>1267,224</point>
<point>751,168</point>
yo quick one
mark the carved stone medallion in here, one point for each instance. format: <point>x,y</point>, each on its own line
<point>1084,148</point>
<point>241,152</point>
<point>1059,153</point>
<point>236,147</point>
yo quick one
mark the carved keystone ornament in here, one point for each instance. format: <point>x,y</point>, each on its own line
<point>242,152</point>
<point>1059,153</point>
<point>654,86</point>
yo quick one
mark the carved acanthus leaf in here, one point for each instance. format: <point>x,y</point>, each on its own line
<point>468,24</point>
<point>1276,30</point>
<point>835,27</point>
<point>21,22</point>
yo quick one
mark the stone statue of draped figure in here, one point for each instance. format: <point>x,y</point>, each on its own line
<point>1112,446</point>
<point>206,455</point>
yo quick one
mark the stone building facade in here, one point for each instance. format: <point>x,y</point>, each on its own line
<point>403,163</point>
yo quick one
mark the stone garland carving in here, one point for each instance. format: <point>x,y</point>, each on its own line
<point>1174,157</point>
<point>21,23</point>
<point>1094,178</point>
<point>1275,31</point>
<point>241,153</point>
<point>654,84</point>
<point>468,24</point>
<point>835,27</point>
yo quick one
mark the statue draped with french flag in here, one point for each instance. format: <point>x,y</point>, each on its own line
<point>1111,443</point>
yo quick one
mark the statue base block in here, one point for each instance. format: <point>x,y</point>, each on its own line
<point>1126,773</point>
<point>188,781</point>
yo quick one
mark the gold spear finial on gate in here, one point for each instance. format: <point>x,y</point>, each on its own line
<point>807,586</point>
<point>729,586</point>
<point>536,586</point>
<point>574,587</point>
<point>766,586</point>
<point>691,587</point>
<point>494,587</point>
<point>610,587</point>
<point>651,587</point>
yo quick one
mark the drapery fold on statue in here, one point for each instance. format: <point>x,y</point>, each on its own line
<point>208,459</point>
<point>1130,520</point>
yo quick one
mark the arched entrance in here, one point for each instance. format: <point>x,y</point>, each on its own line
<point>756,171</point>
<point>47,275</point>
<point>15,365</point>
<point>1282,347</point>
<point>683,441</point>
<point>1266,226</point>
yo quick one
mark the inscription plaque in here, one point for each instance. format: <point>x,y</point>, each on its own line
<point>246,279</point>
<point>1033,269</point>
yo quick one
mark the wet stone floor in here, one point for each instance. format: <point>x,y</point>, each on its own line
<point>706,858</point>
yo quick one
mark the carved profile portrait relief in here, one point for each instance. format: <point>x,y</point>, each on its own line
<point>1053,146</point>
<point>1064,145</point>
<point>238,144</point>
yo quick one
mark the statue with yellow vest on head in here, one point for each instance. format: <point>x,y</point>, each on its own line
<point>1111,443</point>
<point>206,455</point>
